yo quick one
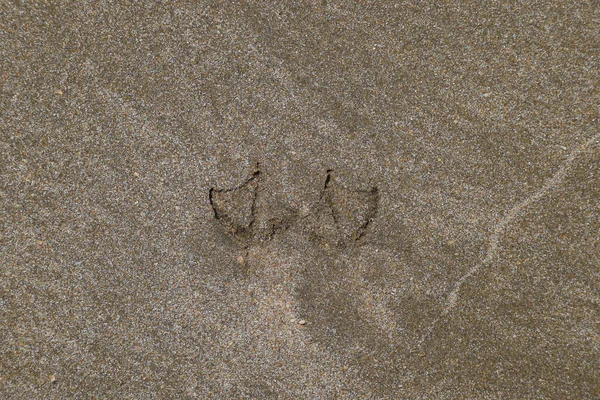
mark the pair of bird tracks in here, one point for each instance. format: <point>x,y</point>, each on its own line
<point>338,219</point>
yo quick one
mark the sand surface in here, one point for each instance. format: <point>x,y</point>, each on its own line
<point>299,200</point>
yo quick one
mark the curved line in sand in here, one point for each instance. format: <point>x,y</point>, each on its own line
<point>499,228</point>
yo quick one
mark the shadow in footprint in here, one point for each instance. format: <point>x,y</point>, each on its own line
<point>235,208</point>
<point>344,215</point>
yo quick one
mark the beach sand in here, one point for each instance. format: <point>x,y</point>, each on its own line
<point>307,200</point>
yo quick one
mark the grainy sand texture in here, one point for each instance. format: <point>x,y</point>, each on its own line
<point>299,200</point>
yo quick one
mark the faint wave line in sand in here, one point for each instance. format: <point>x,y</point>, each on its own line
<point>499,228</point>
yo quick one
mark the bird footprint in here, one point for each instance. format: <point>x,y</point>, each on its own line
<point>339,218</point>
<point>344,215</point>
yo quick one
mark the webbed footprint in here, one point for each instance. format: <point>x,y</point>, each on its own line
<point>339,218</point>
<point>344,214</point>
<point>235,208</point>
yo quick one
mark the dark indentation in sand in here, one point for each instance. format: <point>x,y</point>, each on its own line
<point>235,208</point>
<point>350,212</point>
<point>340,218</point>
<point>277,226</point>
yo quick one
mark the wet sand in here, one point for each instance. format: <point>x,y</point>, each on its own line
<point>299,201</point>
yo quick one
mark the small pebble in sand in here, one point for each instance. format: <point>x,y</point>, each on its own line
<point>305,210</point>
<point>52,378</point>
<point>240,259</point>
<point>302,322</point>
